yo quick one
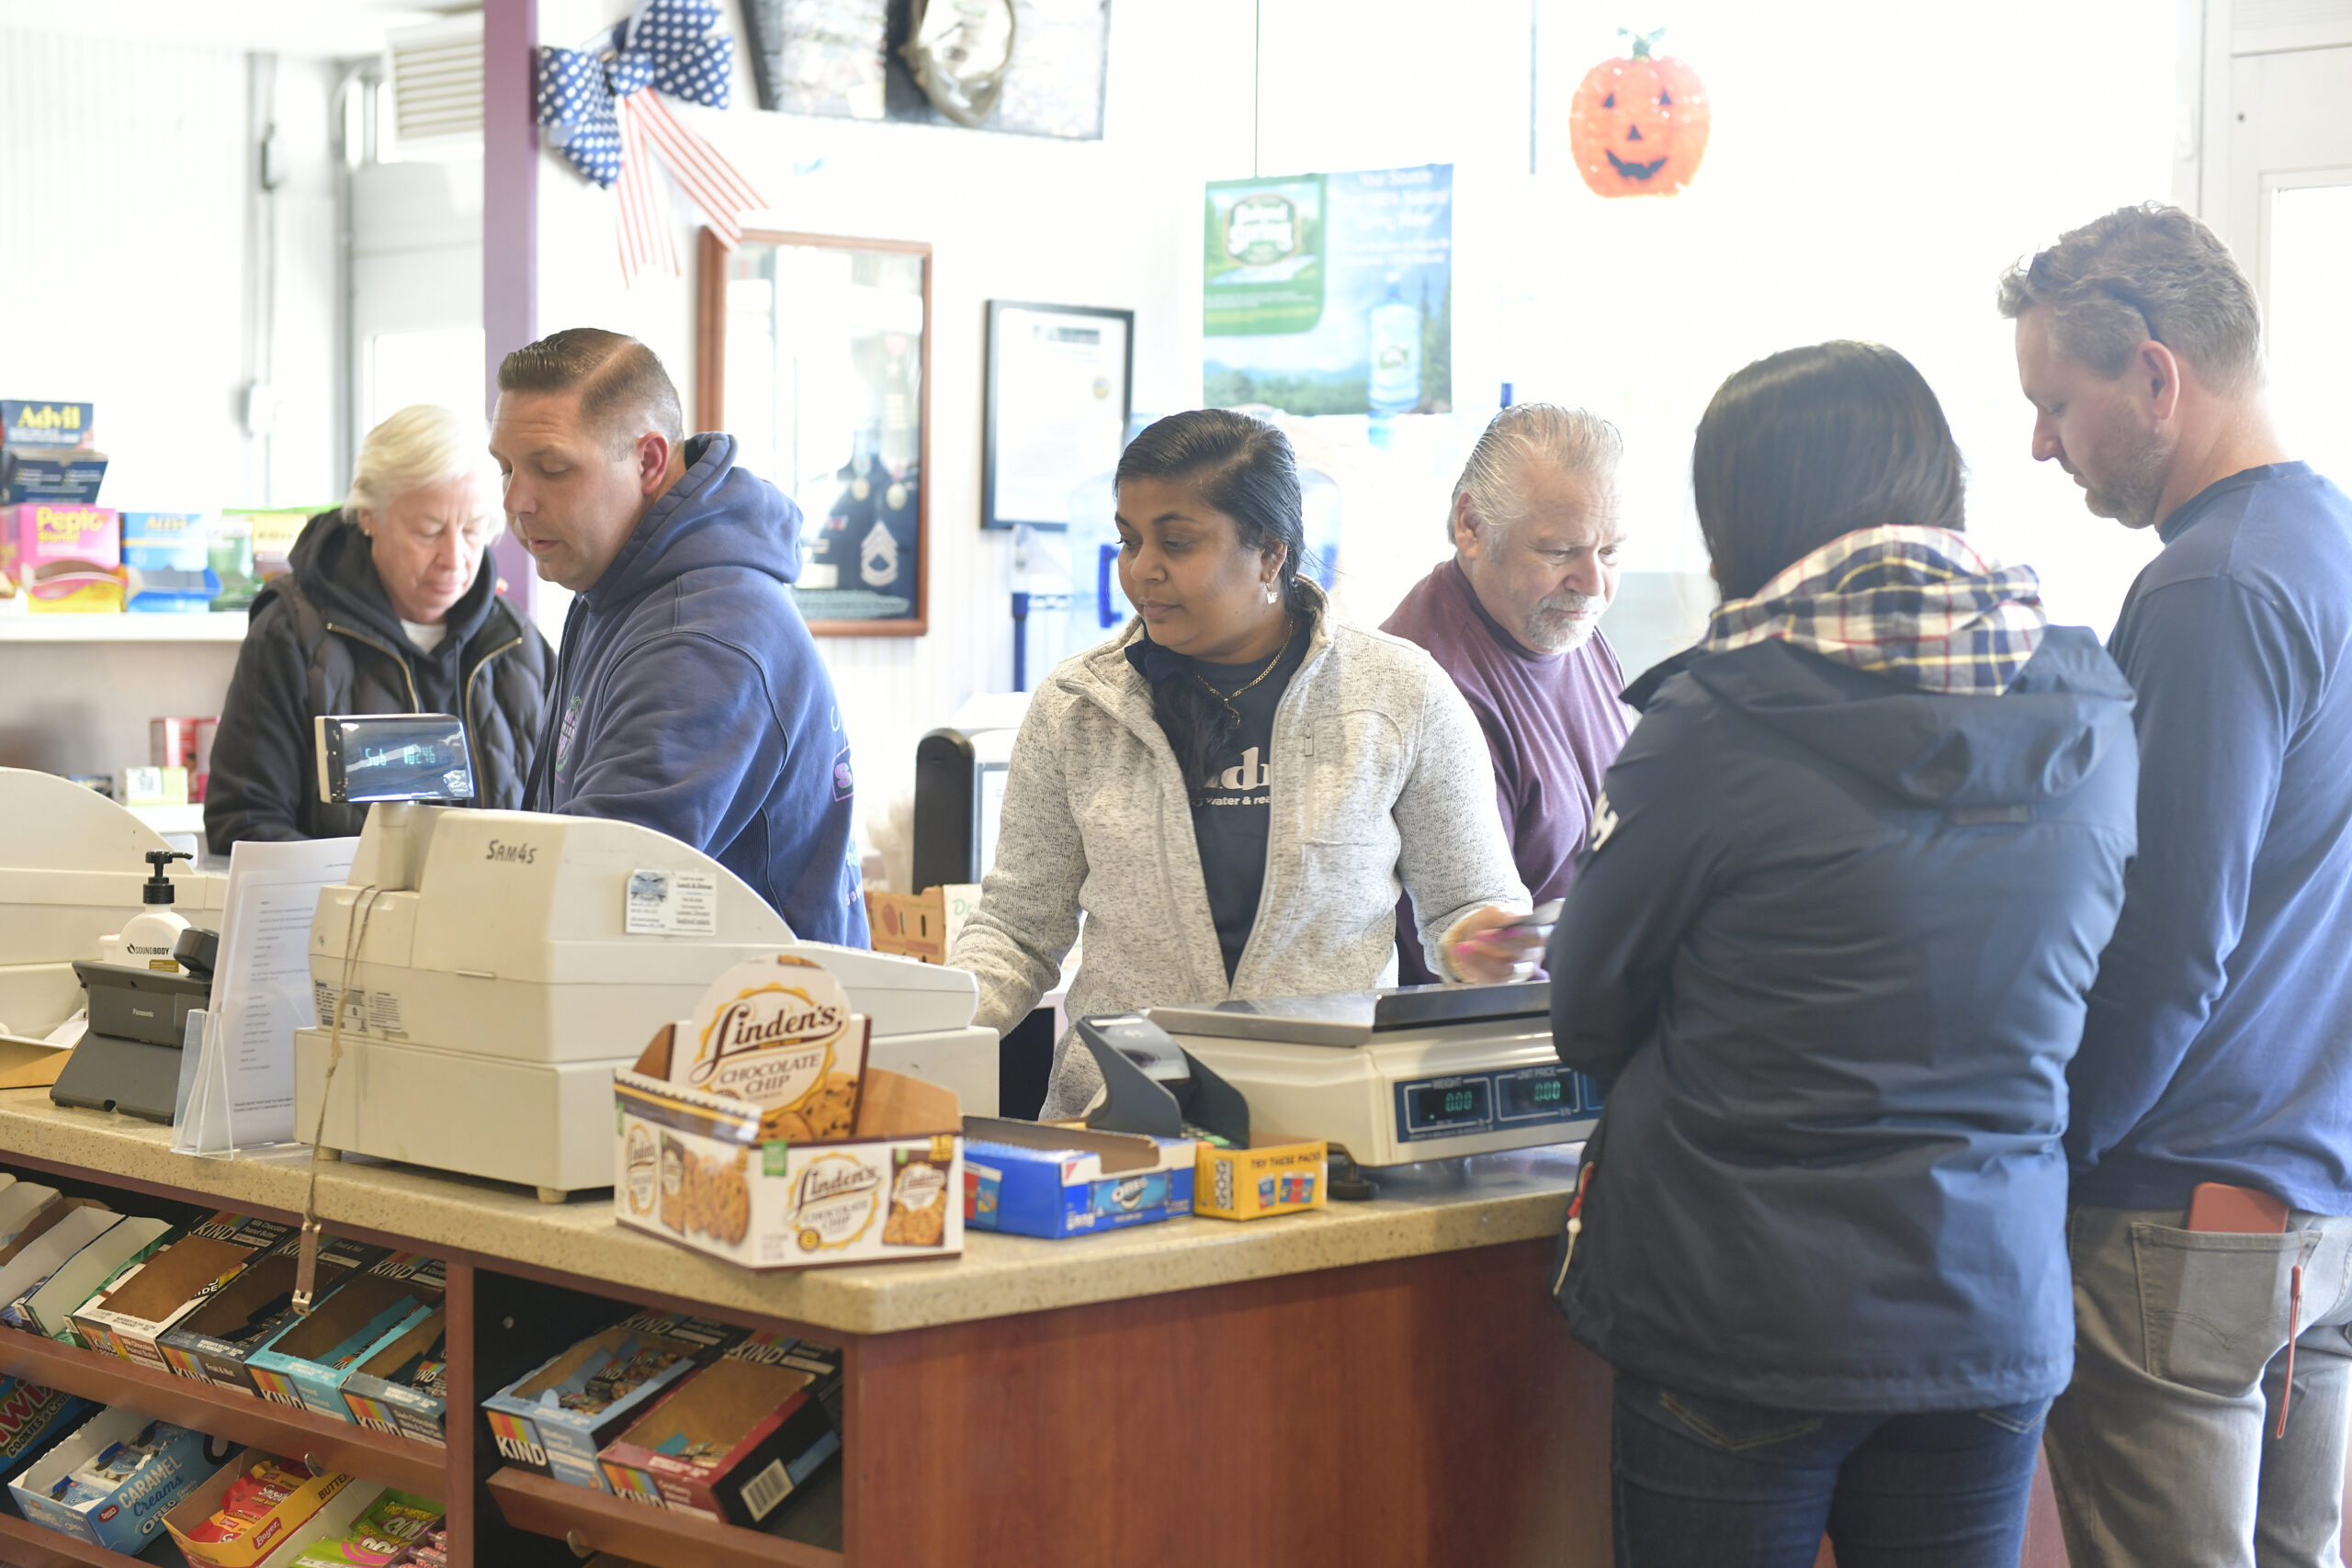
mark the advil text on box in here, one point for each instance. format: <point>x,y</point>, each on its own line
<point>1285,1177</point>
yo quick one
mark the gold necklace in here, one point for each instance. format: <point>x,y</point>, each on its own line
<point>1289,630</point>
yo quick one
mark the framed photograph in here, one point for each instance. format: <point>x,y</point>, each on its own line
<point>815,355</point>
<point>1060,381</point>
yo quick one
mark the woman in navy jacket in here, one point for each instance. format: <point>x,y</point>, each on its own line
<point>1830,937</point>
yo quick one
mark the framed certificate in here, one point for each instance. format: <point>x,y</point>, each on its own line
<point>1060,378</point>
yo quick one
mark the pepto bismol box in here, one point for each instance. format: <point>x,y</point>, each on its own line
<point>555,1418</point>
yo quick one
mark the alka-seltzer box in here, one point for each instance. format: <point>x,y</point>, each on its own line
<point>554,1419</point>
<point>214,1343</point>
<point>127,1517</point>
<point>1277,1176</point>
<point>1056,1182</point>
<point>695,1168</point>
<point>403,1388</point>
<point>166,563</point>
<point>305,1362</point>
<point>130,1316</point>
<point>732,1442</point>
<point>66,559</point>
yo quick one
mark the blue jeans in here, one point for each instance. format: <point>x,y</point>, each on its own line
<point>1702,1483</point>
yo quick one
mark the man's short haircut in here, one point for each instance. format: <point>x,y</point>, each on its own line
<point>2144,272</point>
<point>1569,439</point>
<point>624,391</point>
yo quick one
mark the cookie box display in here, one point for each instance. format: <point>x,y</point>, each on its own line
<point>112,1481</point>
<point>403,1389</point>
<point>66,557</point>
<point>1277,1176</point>
<point>778,1033</point>
<point>695,1168</point>
<point>733,1440</point>
<point>305,1362</point>
<point>253,1506</point>
<point>32,1420</point>
<point>1032,1179</point>
<point>556,1419</point>
<point>130,1317</point>
<point>48,1308</point>
<point>215,1343</point>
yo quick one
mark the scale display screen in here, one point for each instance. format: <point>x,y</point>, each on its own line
<point>1468,1103</point>
<point>1448,1105</point>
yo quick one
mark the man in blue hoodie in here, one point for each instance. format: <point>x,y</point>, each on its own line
<point>2210,1139</point>
<point>689,697</point>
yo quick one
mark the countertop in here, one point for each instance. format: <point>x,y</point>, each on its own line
<point>1442,1206</point>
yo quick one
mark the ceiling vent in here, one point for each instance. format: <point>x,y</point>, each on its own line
<point>432,81</point>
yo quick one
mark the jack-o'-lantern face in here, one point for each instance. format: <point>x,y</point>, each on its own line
<point>1638,126</point>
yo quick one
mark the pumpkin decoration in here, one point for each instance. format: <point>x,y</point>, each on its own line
<point>1638,126</point>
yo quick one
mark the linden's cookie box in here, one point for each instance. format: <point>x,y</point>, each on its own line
<point>738,1136</point>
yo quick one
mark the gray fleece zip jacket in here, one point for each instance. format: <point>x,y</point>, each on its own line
<point>1379,773</point>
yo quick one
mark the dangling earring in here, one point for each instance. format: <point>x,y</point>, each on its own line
<point>1273,595</point>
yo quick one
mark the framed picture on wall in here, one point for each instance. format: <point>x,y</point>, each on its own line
<point>815,355</point>
<point>1059,381</point>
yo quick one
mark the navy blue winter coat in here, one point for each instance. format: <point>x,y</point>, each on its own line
<point>689,698</point>
<point>1830,937</point>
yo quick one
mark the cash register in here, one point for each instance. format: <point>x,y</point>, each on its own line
<point>1397,1076</point>
<point>491,968</point>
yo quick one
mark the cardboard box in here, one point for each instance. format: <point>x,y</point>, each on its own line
<point>52,1212</point>
<point>54,476</point>
<point>67,558</point>
<point>1273,1175</point>
<point>921,925</point>
<point>403,1388</point>
<point>214,1343</point>
<point>38,1259</point>
<point>127,1518</point>
<point>555,1418</point>
<point>167,570</point>
<point>366,1527</point>
<point>32,1420</point>
<point>732,1441</point>
<point>130,1316</point>
<point>20,1203</point>
<point>694,1167</point>
<point>273,1529</point>
<point>1030,1179</point>
<point>48,1309</point>
<point>48,425</point>
<point>305,1362</point>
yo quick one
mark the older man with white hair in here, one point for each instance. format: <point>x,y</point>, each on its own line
<point>1514,616</point>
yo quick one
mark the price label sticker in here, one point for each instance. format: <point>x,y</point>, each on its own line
<point>672,903</point>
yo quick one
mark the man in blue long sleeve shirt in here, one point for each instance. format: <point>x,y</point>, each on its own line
<point>2216,1061</point>
<point>689,697</point>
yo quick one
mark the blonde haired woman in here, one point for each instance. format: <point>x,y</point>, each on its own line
<point>387,609</point>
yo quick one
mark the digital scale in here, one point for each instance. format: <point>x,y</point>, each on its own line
<point>1418,1073</point>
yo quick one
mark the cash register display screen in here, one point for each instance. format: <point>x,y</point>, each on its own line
<point>399,759</point>
<point>1459,1104</point>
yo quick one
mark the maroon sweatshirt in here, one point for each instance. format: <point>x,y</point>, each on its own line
<point>1552,723</point>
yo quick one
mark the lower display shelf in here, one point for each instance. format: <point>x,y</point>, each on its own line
<point>590,1522</point>
<point>29,1546</point>
<point>279,1428</point>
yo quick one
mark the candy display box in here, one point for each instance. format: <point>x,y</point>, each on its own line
<point>131,1515</point>
<point>733,1441</point>
<point>291,1519</point>
<point>305,1362</point>
<point>131,1317</point>
<point>401,1389</point>
<point>1278,1175</point>
<point>215,1343</point>
<point>556,1419</point>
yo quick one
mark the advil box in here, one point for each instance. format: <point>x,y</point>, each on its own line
<point>730,1442</point>
<point>1030,1179</point>
<point>554,1419</point>
<point>130,1316</point>
<point>1284,1176</point>
<point>66,559</point>
<point>214,1343</point>
<point>167,564</point>
<point>131,1515</point>
<point>28,422</point>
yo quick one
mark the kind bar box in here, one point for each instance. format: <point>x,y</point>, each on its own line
<point>293,1496</point>
<point>67,558</point>
<point>1282,1176</point>
<point>403,1389</point>
<point>730,1442</point>
<point>697,1168</point>
<point>215,1343</point>
<point>131,1317</point>
<point>305,1362</point>
<point>112,1481</point>
<point>32,1418</point>
<point>167,567</point>
<point>556,1419</point>
<point>1030,1179</point>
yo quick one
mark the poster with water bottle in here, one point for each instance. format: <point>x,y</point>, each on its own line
<point>1331,294</point>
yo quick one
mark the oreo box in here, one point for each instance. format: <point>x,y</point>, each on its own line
<point>1030,1179</point>
<point>32,1418</point>
<point>214,1343</point>
<point>130,1317</point>
<point>305,1362</point>
<point>556,1419</point>
<point>403,1388</point>
<point>128,1515</point>
<point>732,1441</point>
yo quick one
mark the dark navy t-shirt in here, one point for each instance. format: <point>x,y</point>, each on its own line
<point>1231,816</point>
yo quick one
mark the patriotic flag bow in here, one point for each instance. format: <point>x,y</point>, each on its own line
<point>596,112</point>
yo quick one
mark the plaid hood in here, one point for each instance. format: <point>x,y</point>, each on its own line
<point>1921,606</point>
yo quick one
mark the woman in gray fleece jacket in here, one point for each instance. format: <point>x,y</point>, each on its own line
<point>1233,790</point>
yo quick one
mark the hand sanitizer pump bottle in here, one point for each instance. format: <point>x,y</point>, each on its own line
<point>146,943</point>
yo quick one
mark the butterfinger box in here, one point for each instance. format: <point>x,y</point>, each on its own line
<point>695,1168</point>
<point>282,1525</point>
<point>1284,1176</point>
